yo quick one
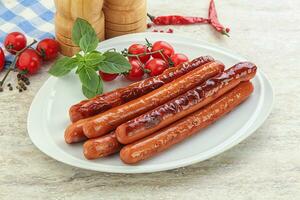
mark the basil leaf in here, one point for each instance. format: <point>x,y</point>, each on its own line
<point>94,58</point>
<point>63,66</point>
<point>100,87</point>
<point>89,78</point>
<point>87,93</point>
<point>80,28</point>
<point>79,57</point>
<point>88,42</point>
<point>114,63</point>
<point>79,67</point>
<point>90,94</point>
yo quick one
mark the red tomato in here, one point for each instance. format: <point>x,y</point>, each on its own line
<point>139,49</point>
<point>137,72</point>
<point>156,66</point>
<point>2,59</point>
<point>48,49</point>
<point>108,77</point>
<point>167,50</point>
<point>179,58</point>
<point>29,61</point>
<point>14,42</point>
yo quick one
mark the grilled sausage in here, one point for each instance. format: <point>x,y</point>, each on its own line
<point>74,132</point>
<point>182,129</point>
<point>109,120</point>
<point>102,146</point>
<point>104,102</point>
<point>184,104</point>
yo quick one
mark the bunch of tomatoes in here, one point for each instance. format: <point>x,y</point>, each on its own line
<point>28,60</point>
<point>151,59</point>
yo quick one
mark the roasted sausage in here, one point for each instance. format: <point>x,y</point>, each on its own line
<point>74,132</point>
<point>182,129</point>
<point>104,102</point>
<point>109,120</point>
<point>102,146</point>
<point>184,104</point>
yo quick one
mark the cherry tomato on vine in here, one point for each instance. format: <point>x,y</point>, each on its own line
<point>2,59</point>
<point>14,42</point>
<point>139,49</point>
<point>179,58</point>
<point>136,72</point>
<point>29,61</point>
<point>167,50</point>
<point>108,77</point>
<point>48,48</point>
<point>156,66</point>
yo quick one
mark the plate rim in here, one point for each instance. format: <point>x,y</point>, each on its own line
<point>172,164</point>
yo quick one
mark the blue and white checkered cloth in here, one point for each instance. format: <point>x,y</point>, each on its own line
<point>34,18</point>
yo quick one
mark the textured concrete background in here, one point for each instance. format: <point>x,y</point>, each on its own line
<point>265,166</point>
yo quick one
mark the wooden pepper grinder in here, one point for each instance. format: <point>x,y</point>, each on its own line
<point>67,11</point>
<point>124,16</point>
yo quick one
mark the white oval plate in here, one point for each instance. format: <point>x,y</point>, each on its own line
<point>48,115</point>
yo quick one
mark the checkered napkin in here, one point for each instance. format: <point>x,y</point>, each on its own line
<point>32,17</point>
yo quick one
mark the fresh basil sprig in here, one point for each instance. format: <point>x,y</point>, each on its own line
<point>89,61</point>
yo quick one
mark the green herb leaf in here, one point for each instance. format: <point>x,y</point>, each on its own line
<point>79,57</point>
<point>114,63</point>
<point>90,94</point>
<point>89,78</point>
<point>94,58</point>
<point>63,66</point>
<point>79,67</point>
<point>80,28</point>
<point>87,93</point>
<point>88,42</point>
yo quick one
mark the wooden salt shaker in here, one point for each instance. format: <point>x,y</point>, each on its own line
<point>67,11</point>
<point>124,16</point>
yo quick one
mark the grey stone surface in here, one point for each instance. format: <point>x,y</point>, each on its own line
<point>265,166</point>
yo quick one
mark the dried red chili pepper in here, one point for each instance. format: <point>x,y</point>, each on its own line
<point>177,20</point>
<point>214,21</point>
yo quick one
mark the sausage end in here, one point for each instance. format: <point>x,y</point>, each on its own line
<point>74,114</point>
<point>126,157</point>
<point>121,134</point>
<point>74,134</point>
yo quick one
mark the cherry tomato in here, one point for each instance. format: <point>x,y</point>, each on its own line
<point>2,59</point>
<point>156,66</point>
<point>14,42</point>
<point>179,58</point>
<point>29,61</point>
<point>139,49</point>
<point>48,49</point>
<point>108,77</point>
<point>137,72</point>
<point>167,50</point>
